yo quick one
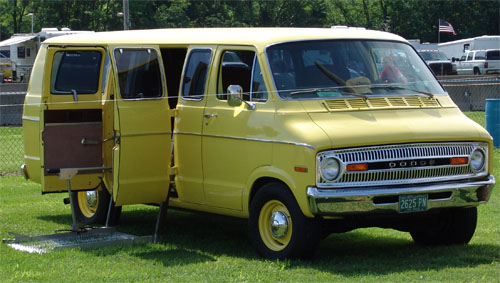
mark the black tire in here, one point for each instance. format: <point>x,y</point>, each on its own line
<point>476,71</point>
<point>454,227</point>
<point>300,240</point>
<point>92,211</point>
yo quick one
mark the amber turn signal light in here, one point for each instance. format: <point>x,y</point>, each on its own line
<point>357,167</point>
<point>459,160</point>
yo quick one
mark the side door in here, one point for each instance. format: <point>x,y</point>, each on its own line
<point>469,63</point>
<point>235,138</point>
<point>142,151</point>
<point>70,115</point>
<point>189,124</point>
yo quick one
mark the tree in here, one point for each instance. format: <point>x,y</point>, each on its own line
<point>409,18</point>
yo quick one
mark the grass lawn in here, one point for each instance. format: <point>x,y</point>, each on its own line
<point>202,247</point>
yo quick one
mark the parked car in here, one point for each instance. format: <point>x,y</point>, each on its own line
<point>479,62</point>
<point>438,62</point>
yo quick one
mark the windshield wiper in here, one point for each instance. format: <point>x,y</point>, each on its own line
<point>393,87</point>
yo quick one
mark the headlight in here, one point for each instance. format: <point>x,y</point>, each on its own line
<point>330,168</point>
<point>477,160</point>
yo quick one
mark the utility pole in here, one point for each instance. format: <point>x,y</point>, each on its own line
<point>31,14</point>
<point>125,15</point>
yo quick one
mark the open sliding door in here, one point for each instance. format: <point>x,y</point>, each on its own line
<point>142,152</point>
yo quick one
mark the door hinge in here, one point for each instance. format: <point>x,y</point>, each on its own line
<point>172,171</point>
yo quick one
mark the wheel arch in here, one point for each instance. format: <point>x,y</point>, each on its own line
<point>269,174</point>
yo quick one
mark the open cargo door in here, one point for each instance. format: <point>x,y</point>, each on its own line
<point>142,152</point>
<point>71,116</point>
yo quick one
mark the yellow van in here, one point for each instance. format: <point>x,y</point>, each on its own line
<point>304,131</point>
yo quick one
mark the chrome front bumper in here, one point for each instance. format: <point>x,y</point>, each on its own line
<point>386,199</point>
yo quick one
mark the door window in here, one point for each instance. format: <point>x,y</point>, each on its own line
<point>195,74</point>
<point>75,71</point>
<point>139,74</point>
<point>258,90</point>
<point>241,68</point>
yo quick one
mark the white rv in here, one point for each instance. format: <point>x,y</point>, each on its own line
<point>455,49</point>
<point>24,47</point>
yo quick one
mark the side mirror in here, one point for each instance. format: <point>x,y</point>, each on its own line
<point>235,97</point>
<point>453,59</point>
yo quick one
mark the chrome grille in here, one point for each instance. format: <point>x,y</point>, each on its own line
<point>417,173</point>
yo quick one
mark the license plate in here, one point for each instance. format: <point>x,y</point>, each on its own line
<point>412,203</point>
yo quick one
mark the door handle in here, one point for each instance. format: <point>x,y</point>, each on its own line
<point>209,115</point>
<point>85,141</point>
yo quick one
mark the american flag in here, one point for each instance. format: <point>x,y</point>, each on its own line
<point>444,26</point>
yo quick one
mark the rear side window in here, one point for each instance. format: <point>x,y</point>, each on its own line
<point>195,74</point>
<point>139,74</point>
<point>493,55</point>
<point>480,55</point>
<point>75,71</point>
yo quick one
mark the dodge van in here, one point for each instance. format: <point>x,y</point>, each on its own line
<point>303,131</point>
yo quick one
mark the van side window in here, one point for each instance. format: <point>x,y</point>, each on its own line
<point>139,74</point>
<point>105,73</point>
<point>75,70</point>
<point>195,75</point>
<point>241,68</point>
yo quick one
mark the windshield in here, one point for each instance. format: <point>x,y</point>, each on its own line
<point>338,68</point>
<point>433,56</point>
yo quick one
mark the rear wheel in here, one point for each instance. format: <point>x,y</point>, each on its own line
<point>91,207</point>
<point>277,227</point>
<point>454,227</point>
<point>476,71</point>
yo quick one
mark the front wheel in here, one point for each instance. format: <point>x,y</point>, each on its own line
<point>278,228</point>
<point>91,207</point>
<point>454,227</point>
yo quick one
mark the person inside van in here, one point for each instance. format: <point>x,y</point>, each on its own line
<point>391,73</point>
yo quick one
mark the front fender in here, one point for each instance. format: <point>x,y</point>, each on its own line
<point>266,174</point>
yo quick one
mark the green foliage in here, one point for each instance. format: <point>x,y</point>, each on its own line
<point>410,18</point>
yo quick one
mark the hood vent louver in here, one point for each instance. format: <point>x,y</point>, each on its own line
<point>380,103</point>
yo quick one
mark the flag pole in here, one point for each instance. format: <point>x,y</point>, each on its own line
<point>439,33</point>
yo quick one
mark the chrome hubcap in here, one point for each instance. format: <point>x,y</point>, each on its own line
<point>279,224</point>
<point>91,198</point>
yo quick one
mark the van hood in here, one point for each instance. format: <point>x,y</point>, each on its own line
<point>364,128</point>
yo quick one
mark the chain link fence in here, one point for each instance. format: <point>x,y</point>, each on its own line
<point>11,134</point>
<point>468,93</point>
